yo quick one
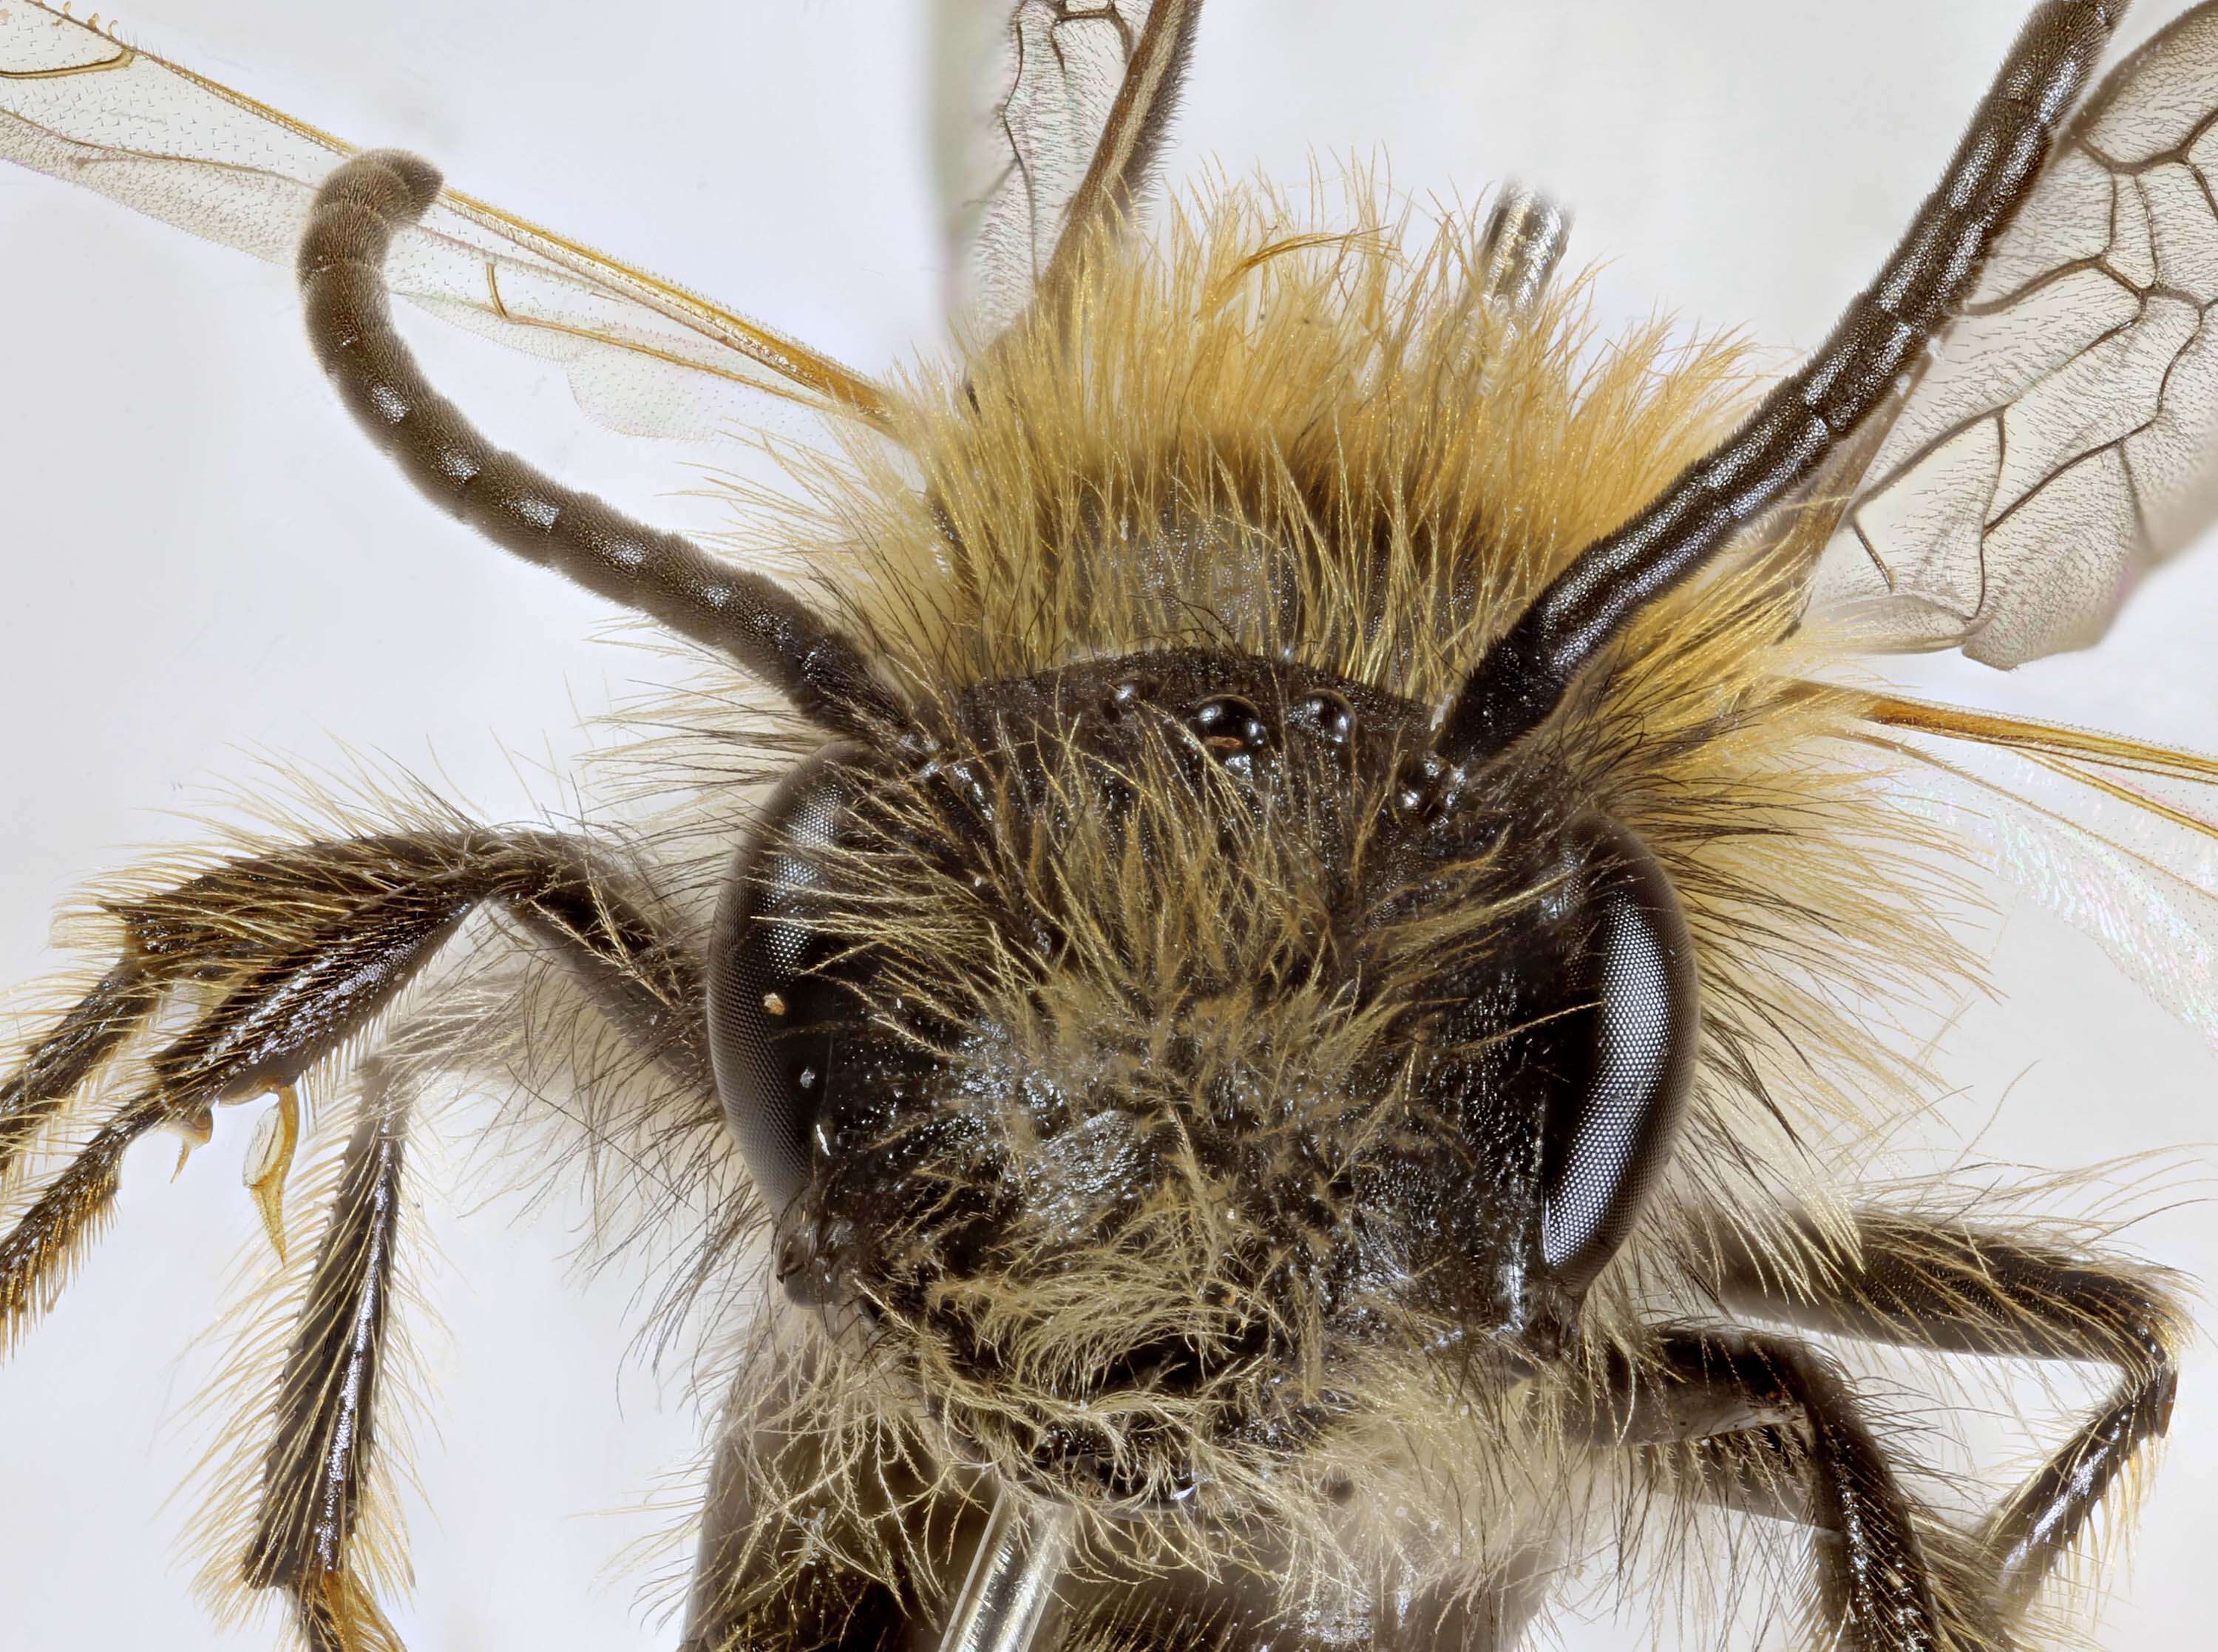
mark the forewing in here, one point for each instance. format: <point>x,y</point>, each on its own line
<point>644,355</point>
<point>1075,82</point>
<point>2062,437</point>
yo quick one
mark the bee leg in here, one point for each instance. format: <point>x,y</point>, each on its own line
<point>1955,1289</point>
<point>1766,1472</point>
<point>290,955</point>
<point>59,1065</point>
<point>327,1436</point>
<point>1763,1471</point>
<point>1874,1578</point>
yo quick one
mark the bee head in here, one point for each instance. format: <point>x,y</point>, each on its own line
<point>1180,1036</point>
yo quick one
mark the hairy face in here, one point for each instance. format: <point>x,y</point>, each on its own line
<point>1178,1043</point>
<point>1174,1078</point>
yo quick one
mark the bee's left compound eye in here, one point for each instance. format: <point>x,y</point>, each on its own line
<point>770,1012</point>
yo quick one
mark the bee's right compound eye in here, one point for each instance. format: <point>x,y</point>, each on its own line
<point>770,1012</point>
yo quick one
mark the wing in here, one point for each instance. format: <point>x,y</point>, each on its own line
<point>643,355</point>
<point>2117,837</point>
<point>2061,438</point>
<point>1081,92</point>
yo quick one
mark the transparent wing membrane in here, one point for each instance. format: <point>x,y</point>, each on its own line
<point>1014,164</point>
<point>2117,837</point>
<point>644,355</point>
<point>2060,439</point>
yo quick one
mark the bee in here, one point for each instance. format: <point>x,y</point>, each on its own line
<point>1168,1432</point>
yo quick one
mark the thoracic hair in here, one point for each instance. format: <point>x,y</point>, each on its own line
<point>1161,1043</point>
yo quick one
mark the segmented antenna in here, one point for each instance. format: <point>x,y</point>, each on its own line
<point>1528,671</point>
<point>669,579</point>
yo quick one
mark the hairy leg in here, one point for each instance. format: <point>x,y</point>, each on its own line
<point>278,961</point>
<point>1876,1582</point>
<point>1957,1289</point>
<point>287,956</point>
<point>325,1440</point>
<point>60,1064</point>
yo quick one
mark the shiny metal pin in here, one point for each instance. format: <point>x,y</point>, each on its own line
<point>1522,244</point>
<point>1007,1598</point>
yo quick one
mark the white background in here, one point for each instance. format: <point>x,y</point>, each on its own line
<point>204,561</point>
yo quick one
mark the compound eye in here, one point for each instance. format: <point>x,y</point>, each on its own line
<point>1608,1139</point>
<point>770,1012</point>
